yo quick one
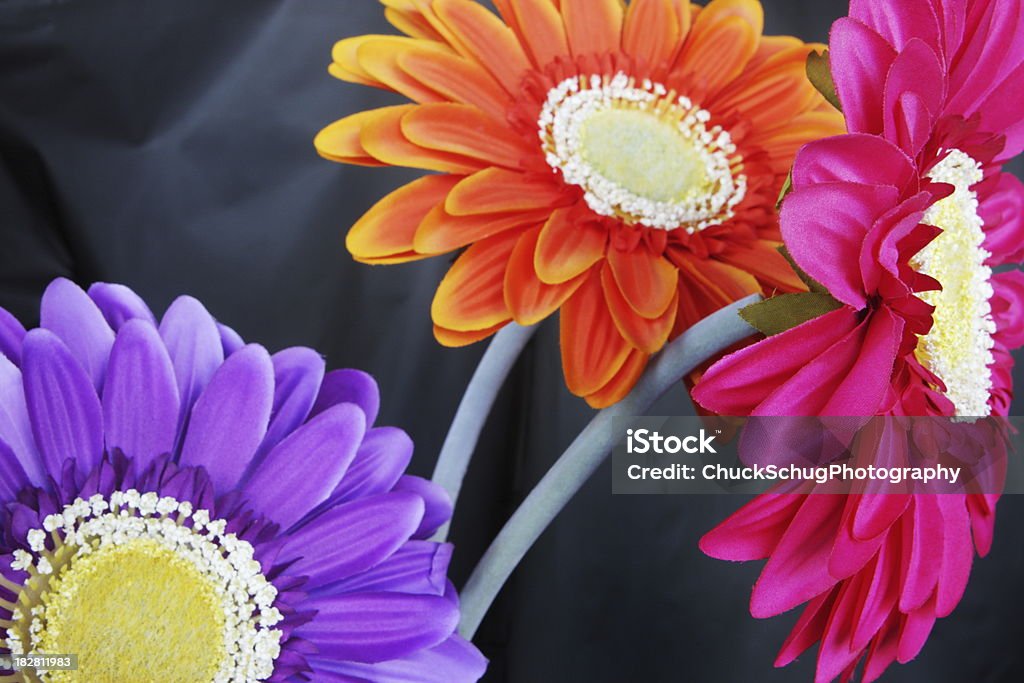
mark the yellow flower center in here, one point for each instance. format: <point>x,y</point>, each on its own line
<point>136,612</point>
<point>641,153</point>
<point>958,348</point>
<point>644,154</point>
<point>142,589</point>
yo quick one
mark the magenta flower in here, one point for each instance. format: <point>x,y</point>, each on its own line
<point>898,225</point>
<point>177,505</point>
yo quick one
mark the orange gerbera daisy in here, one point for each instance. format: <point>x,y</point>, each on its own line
<point>620,163</point>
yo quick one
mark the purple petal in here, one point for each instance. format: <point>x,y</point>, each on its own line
<point>297,375</point>
<point>230,418</point>
<point>119,304</point>
<point>349,386</point>
<point>376,627</point>
<point>230,340</point>
<point>353,537</point>
<point>12,475</point>
<point>63,407</point>
<point>11,335</point>
<point>15,426</point>
<point>438,508</point>
<point>453,661</point>
<point>417,567</point>
<point>70,314</point>
<point>382,458</point>
<point>194,345</point>
<point>140,400</point>
<point>303,470</point>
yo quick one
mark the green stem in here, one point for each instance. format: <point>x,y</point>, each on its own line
<point>704,340</point>
<point>460,444</point>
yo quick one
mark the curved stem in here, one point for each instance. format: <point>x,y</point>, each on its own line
<point>708,337</point>
<point>476,404</point>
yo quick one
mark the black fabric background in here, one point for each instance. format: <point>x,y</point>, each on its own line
<point>167,146</point>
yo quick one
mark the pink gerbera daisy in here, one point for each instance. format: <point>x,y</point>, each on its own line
<point>898,226</point>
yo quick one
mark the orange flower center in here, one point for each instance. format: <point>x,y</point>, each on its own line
<point>641,153</point>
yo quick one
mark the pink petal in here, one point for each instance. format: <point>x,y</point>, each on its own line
<point>899,23</point>
<point>883,649</point>
<point>753,531</point>
<point>913,97</point>
<point>922,553</point>
<point>917,626</point>
<point>957,553</point>
<point>824,227</point>
<point>860,61</point>
<point>738,383</point>
<point>1003,214</point>
<point>853,158</point>
<point>879,596</point>
<point>870,376</point>
<point>808,629</point>
<point>1008,307</point>
<point>798,569</point>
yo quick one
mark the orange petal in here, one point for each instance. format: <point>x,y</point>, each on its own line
<point>379,58</point>
<point>387,229</point>
<point>782,143</point>
<point>651,32</point>
<point>771,95</point>
<point>458,79</point>
<point>464,130</point>
<point>722,41</point>
<point>648,335</point>
<point>454,339</point>
<point>497,190</point>
<point>346,64</point>
<point>593,351</point>
<point>647,281</point>
<point>440,232</point>
<point>567,248</point>
<point>708,285</point>
<point>382,138</point>
<point>773,45</point>
<point>542,30</point>
<point>340,140</point>
<point>411,23</point>
<point>529,299</point>
<point>622,383</point>
<point>476,32</point>
<point>763,261</point>
<point>472,295</point>
<point>593,26</point>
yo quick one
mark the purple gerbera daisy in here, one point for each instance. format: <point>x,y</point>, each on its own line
<point>178,506</point>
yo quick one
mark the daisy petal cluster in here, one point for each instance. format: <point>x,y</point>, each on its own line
<point>900,224</point>
<point>617,163</point>
<point>177,505</point>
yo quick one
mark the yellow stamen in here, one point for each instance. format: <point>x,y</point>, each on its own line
<point>958,348</point>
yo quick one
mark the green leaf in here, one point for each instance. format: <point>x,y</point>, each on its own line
<point>787,187</point>
<point>811,283</point>
<point>819,72</point>
<point>784,312</point>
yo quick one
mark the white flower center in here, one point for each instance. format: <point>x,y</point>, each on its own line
<point>958,348</point>
<point>143,588</point>
<point>641,154</point>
